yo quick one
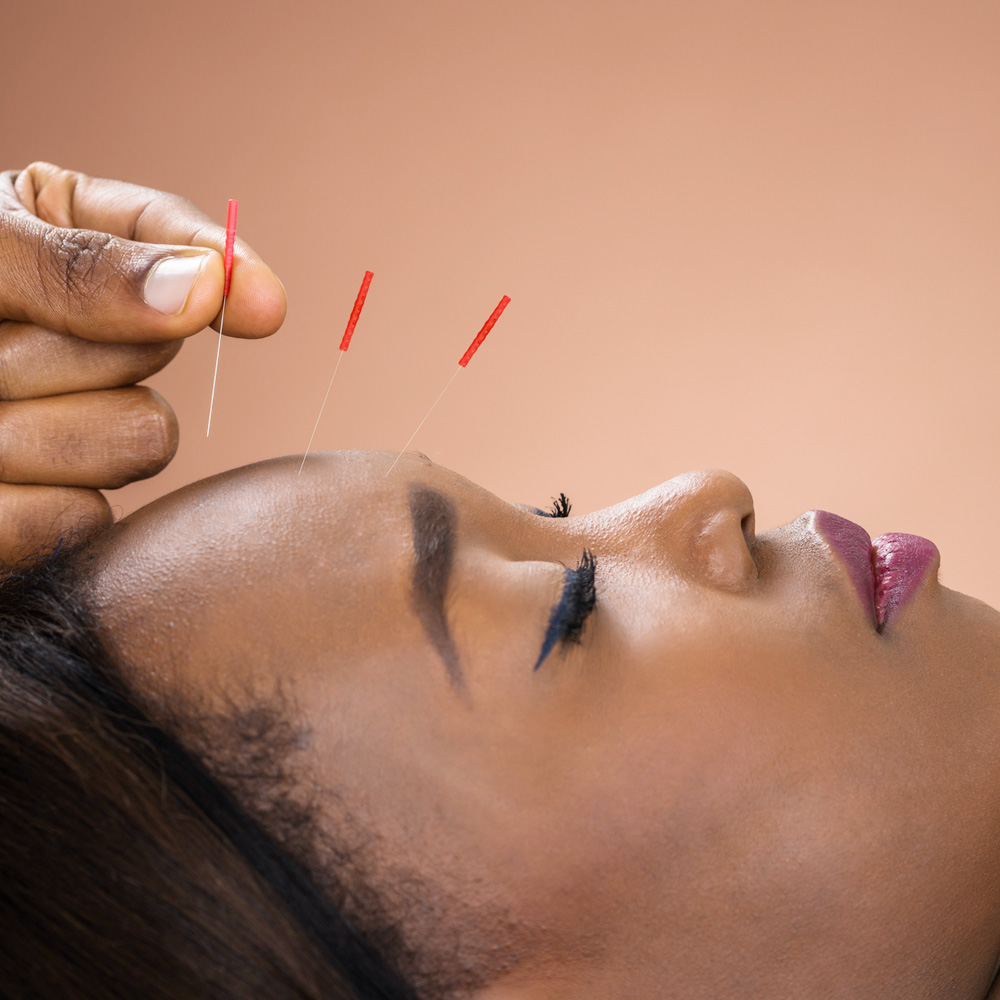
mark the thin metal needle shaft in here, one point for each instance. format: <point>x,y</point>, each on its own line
<point>336,368</point>
<point>422,422</point>
<point>218,351</point>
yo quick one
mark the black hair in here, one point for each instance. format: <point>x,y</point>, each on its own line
<point>127,869</point>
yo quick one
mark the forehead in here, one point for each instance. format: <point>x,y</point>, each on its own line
<point>345,496</point>
<point>263,560</point>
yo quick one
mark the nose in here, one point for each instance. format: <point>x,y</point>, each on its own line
<point>701,524</point>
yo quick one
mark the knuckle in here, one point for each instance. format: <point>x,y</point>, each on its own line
<point>41,168</point>
<point>45,174</point>
<point>73,258</point>
<point>50,190</point>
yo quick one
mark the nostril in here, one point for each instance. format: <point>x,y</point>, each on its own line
<point>747,527</point>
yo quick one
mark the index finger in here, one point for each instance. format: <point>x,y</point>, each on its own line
<point>256,305</point>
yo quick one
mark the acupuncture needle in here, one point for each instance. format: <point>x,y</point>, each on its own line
<point>462,363</point>
<point>345,342</point>
<point>230,241</point>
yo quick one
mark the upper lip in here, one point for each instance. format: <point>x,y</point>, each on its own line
<point>854,547</point>
<point>886,572</point>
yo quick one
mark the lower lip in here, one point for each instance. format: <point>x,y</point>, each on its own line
<point>886,572</point>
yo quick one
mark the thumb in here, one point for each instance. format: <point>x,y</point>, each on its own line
<point>102,287</point>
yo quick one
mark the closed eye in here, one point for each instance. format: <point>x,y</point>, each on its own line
<point>578,600</point>
<point>561,507</point>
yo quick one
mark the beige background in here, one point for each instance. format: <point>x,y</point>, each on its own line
<point>756,235</point>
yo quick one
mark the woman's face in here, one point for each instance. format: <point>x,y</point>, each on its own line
<point>732,784</point>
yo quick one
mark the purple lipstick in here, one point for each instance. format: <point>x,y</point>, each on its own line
<point>886,572</point>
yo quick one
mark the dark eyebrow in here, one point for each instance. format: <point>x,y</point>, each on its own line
<point>434,518</point>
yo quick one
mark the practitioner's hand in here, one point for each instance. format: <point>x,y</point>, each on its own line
<point>99,282</point>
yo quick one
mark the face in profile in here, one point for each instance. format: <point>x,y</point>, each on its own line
<point>646,746</point>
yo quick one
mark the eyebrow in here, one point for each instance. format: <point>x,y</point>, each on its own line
<point>434,518</point>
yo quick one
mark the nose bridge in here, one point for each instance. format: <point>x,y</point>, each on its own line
<point>699,524</point>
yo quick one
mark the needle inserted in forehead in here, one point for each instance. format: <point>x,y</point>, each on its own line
<point>345,342</point>
<point>462,363</point>
<point>230,240</point>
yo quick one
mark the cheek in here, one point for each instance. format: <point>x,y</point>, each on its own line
<point>791,807</point>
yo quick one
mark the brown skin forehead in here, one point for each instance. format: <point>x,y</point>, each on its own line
<point>722,775</point>
<point>264,568</point>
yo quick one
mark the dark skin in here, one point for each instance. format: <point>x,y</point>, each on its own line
<point>733,786</point>
<point>85,313</point>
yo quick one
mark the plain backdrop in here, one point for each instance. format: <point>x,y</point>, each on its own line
<point>754,235</point>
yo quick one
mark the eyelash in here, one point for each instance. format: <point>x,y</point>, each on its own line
<point>560,507</point>
<point>579,598</point>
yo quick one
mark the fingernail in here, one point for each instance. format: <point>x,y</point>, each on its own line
<point>169,282</point>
